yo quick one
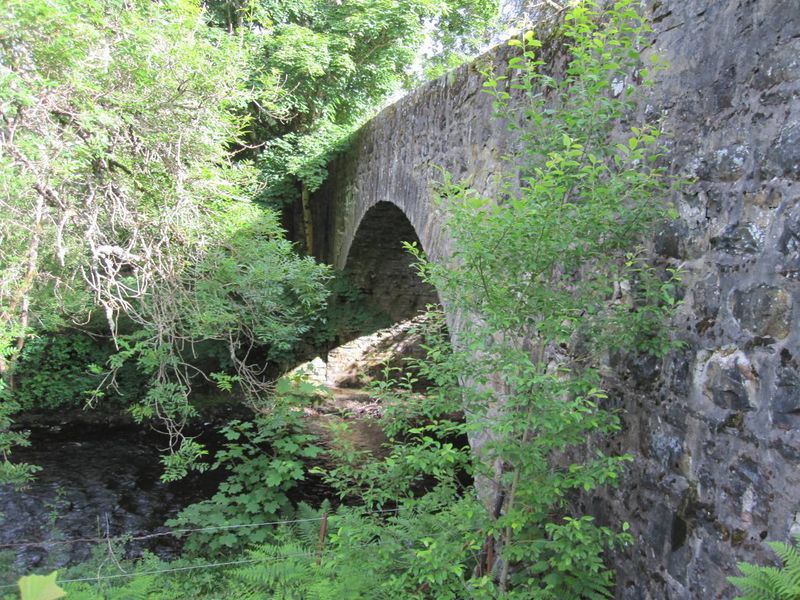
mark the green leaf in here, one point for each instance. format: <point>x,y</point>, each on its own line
<point>40,587</point>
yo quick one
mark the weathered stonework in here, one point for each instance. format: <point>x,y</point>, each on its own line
<point>715,427</point>
<point>381,268</point>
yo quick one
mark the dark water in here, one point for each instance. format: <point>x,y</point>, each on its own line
<point>94,482</point>
<point>99,481</point>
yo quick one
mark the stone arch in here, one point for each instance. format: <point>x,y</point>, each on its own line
<point>378,264</point>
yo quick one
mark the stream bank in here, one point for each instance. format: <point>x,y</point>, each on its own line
<point>101,473</point>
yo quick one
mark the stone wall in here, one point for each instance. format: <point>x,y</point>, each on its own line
<point>714,428</point>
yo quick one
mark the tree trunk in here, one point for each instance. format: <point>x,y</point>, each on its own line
<point>22,296</point>
<point>308,225</point>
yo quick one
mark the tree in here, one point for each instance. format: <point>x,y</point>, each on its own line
<point>119,194</point>
<point>337,62</point>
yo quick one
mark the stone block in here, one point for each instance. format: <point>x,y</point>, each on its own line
<point>783,157</point>
<point>785,398</point>
<point>763,310</point>
<point>729,381</point>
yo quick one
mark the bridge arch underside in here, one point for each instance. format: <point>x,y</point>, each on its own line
<point>382,269</point>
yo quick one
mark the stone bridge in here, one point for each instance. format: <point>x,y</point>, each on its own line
<point>714,428</point>
<point>380,192</point>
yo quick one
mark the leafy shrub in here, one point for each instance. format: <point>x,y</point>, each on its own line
<point>534,278</point>
<point>54,370</point>
<point>265,460</point>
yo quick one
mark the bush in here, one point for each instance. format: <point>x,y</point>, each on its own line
<point>54,370</point>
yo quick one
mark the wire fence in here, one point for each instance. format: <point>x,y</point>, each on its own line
<point>179,532</point>
<point>481,557</point>
<point>216,565</point>
<point>133,574</point>
<point>173,532</point>
<point>206,566</point>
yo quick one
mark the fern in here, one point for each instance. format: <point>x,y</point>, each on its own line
<point>771,583</point>
<point>281,570</point>
<point>141,588</point>
<point>361,560</point>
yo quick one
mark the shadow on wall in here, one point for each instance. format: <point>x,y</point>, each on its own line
<point>379,266</point>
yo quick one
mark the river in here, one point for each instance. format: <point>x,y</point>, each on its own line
<point>95,481</point>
